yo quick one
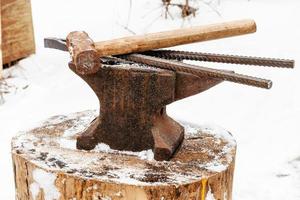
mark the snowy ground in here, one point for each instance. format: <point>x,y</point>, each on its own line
<point>265,123</point>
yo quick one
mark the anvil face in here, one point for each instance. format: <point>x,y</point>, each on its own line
<point>133,101</point>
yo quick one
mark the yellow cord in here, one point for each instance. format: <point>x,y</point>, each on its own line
<point>204,182</point>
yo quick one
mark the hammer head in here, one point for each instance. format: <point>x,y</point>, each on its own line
<point>83,53</point>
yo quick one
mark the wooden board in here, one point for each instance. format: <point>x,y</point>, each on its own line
<point>1,64</point>
<point>47,165</point>
<point>17,30</point>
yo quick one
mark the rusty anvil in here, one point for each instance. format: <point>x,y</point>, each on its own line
<point>133,97</point>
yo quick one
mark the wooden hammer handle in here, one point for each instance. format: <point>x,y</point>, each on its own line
<point>172,38</point>
<point>85,53</point>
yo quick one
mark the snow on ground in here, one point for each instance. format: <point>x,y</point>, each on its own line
<point>264,123</point>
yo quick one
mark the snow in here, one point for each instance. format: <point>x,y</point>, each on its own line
<point>210,196</point>
<point>214,129</point>
<point>34,189</point>
<point>67,143</point>
<point>102,148</point>
<point>44,181</point>
<point>221,135</point>
<point>211,129</point>
<point>126,176</point>
<point>264,123</point>
<point>144,155</point>
<point>216,167</point>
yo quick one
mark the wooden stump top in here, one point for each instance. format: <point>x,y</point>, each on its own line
<point>206,152</point>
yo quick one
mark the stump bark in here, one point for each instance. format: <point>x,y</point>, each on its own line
<point>48,166</point>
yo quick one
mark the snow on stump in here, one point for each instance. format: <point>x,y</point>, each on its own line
<point>48,166</point>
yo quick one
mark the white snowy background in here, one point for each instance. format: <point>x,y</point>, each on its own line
<point>265,123</point>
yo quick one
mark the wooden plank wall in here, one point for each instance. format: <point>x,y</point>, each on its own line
<point>17,30</point>
<point>1,64</point>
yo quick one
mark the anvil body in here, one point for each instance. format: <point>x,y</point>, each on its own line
<point>133,101</point>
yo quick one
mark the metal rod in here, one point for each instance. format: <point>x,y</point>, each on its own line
<point>221,58</point>
<point>197,70</point>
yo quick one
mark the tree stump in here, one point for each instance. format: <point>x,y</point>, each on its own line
<point>48,166</point>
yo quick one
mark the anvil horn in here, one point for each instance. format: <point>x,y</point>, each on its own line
<point>188,84</point>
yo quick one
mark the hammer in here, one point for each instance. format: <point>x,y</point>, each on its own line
<point>85,53</point>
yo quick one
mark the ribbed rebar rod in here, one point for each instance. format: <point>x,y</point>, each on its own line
<point>197,70</point>
<point>221,58</point>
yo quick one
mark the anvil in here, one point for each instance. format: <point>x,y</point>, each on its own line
<point>134,89</point>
